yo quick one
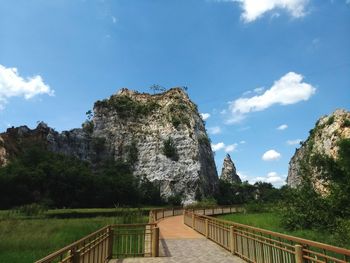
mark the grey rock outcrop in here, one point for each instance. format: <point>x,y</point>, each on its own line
<point>323,139</point>
<point>135,127</point>
<point>145,122</point>
<point>229,172</point>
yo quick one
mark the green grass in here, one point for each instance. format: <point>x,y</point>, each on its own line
<point>272,221</point>
<point>27,240</point>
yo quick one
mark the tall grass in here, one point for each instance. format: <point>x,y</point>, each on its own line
<point>273,221</point>
<point>26,240</point>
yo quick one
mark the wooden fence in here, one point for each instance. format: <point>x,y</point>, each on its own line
<point>113,241</point>
<point>262,246</point>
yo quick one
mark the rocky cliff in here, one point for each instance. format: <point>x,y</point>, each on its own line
<point>162,136</point>
<point>323,139</point>
<point>229,172</point>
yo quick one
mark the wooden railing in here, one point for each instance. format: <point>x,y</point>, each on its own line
<point>113,241</point>
<point>263,246</point>
<point>157,214</point>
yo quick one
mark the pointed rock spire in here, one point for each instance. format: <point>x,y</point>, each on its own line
<point>229,172</point>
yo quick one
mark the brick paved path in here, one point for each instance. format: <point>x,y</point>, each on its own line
<point>180,243</point>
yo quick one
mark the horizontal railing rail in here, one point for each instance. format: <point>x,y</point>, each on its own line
<point>263,246</point>
<point>129,240</point>
<point>160,213</point>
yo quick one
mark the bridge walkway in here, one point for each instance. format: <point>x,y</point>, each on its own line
<point>181,244</point>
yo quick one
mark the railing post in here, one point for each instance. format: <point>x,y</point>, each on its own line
<point>232,240</point>
<point>155,242</point>
<point>206,228</point>
<point>193,221</point>
<point>75,256</point>
<point>110,242</point>
<point>163,213</point>
<point>173,211</point>
<point>298,254</point>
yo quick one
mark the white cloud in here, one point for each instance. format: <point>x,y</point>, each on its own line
<point>254,9</point>
<point>217,146</point>
<point>205,116</point>
<point>282,127</point>
<point>214,130</point>
<point>13,85</point>
<point>221,146</point>
<point>271,155</point>
<point>289,89</point>
<point>231,147</point>
<point>259,90</point>
<point>294,142</point>
<point>242,175</point>
<point>242,142</point>
<point>114,19</point>
<point>272,177</point>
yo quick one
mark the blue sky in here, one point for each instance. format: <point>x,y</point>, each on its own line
<point>253,66</point>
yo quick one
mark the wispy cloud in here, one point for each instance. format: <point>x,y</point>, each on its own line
<point>13,85</point>
<point>214,130</point>
<point>254,9</point>
<point>217,146</point>
<point>294,142</point>
<point>231,147</point>
<point>205,116</point>
<point>289,89</point>
<point>222,146</point>
<point>272,177</point>
<point>114,19</point>
<point>271,155</point>
<point>282,127</point>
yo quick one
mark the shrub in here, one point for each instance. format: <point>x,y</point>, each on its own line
<point>169,149</point>
<point>127,107</point>
<point>32,209</point>
<point>175,199</point>
<point>330,120</point>
<point>346,123</point>
<point>88,126</point>
<point>207,202</point>
<point>203,139</point>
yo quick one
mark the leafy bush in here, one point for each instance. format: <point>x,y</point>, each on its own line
<point>204,140</point>
<point>88,126</point>
<point>32,209</point>
<point>346,123</point>
<point>169,149</point>
<point>175,199</point>
<point>330,120</point>
<point>207,202</point>
<point>127,107</point>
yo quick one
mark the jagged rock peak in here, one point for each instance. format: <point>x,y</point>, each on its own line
<point>323,139</point>
<point>229,172</point>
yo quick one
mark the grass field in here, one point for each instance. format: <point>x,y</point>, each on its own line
<point>272,221</point>
<point>28,239</point>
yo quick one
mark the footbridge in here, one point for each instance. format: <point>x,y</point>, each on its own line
<point>194,235</point>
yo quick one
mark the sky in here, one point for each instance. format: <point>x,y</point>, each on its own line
<point>261,71</point>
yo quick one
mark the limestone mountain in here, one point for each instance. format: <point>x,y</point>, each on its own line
<point>162,136</point>
<point>323,140</point>
<point>229,172</point>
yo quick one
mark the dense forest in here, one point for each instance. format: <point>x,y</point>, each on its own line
<point>57,181</point>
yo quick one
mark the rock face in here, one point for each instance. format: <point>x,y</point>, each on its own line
<point>323,139</point>
<point>161,135</point>
<point>143,123</point>
<point>228,172</point>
